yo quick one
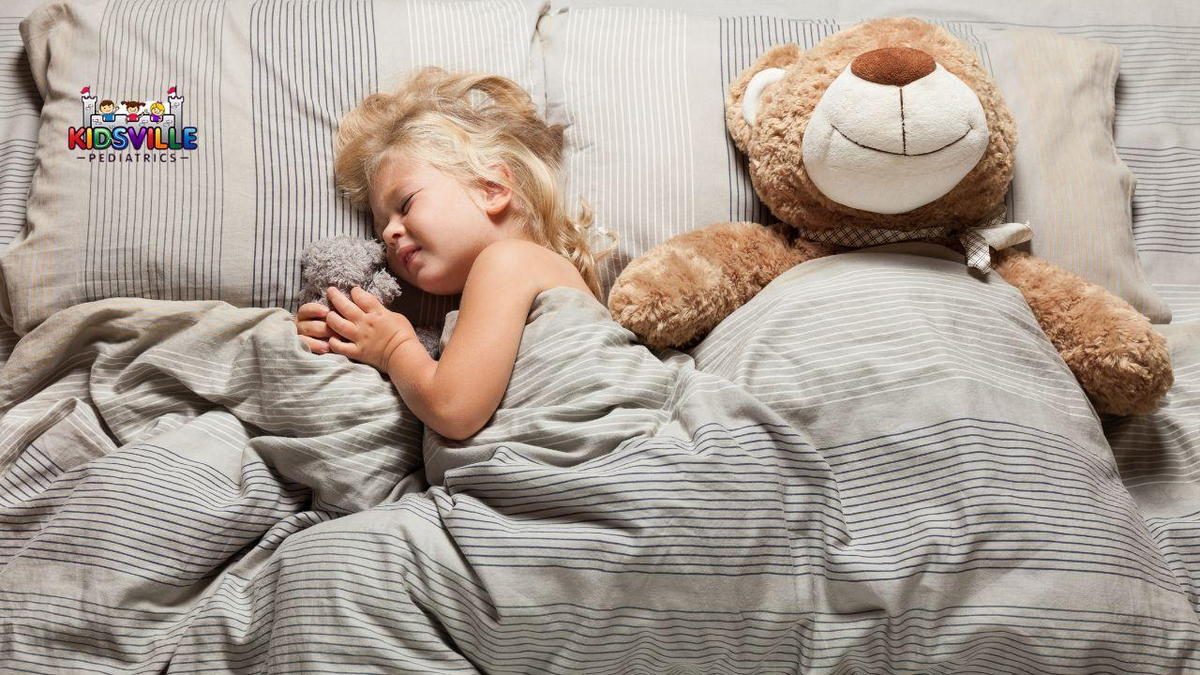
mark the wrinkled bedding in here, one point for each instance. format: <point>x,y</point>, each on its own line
<point>879,464</point>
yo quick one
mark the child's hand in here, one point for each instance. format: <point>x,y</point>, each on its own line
<point>370,331</point>
<point>310,324</point>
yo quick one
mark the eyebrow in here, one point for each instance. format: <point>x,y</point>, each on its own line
<point>401,188</point>
<point>391,194</point>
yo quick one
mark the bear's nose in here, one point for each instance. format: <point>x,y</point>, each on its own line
<point>893,65</point>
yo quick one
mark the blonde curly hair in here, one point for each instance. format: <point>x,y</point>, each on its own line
<point>464,124</point>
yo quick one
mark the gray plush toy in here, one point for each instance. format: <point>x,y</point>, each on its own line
<point>345,262</point>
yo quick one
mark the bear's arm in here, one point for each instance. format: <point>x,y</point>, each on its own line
<point>678,291</point>
<point>1119,359</point>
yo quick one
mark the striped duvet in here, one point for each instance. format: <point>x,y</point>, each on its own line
<point>877,465</point>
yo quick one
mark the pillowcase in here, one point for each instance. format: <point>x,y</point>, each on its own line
<point>18,135</point>
<point>642,91</point>
<point>263,84</point>
<point>19,109</point>
<point>1068,180</point>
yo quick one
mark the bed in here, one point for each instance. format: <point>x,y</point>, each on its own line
<point>185,488</point>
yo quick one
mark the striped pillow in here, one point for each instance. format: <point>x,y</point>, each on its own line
<point>643,89</point>
<point>19,108</point>
<point>264,84</point>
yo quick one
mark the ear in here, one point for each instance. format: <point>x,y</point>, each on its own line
<point>747,92</point>
<point>496,195</point>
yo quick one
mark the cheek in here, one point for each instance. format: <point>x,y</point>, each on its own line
<point>394,267</point>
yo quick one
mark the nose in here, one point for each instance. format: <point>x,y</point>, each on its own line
<point>393,230</point>
<point>896,66</point>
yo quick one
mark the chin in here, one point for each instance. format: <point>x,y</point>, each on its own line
<point>437,286</point>
<point>441,289</point>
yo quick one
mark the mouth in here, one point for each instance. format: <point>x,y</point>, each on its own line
<point>407,254</point>
<point>902,154</point>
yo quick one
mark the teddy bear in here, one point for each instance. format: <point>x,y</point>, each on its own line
<point>886,131</point>
<point>345,262</point>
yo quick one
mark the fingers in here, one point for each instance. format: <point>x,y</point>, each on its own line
<point>315,329</point>
<point>311,310</point>
<point>315,346</point>
<point>339,346</point>
<point>343,305</point>
<point>364,300</point>
<point>341,325</point>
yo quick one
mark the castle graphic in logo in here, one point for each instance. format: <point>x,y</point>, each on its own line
<point>140,129</point>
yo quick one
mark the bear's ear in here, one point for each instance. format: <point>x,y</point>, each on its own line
<point>745,95</point>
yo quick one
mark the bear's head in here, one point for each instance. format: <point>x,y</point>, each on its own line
<point>889,124</point>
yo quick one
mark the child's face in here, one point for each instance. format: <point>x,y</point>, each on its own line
<point>414,203</point>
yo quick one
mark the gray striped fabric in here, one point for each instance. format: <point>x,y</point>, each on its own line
<point>156,371</point>
<point>16,171</point>
<point>620,79</point>
<point>827,494</point>
<point>8,341</point>
<point>20,105</point>
<point>1159,454</point>
<point>264,82</point>
<point>652,177</point>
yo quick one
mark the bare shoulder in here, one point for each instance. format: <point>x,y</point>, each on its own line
<point>536,264</point>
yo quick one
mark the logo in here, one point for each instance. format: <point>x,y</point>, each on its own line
<point>132,130</point>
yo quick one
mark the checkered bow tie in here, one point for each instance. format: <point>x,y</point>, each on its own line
<point>977,242</point>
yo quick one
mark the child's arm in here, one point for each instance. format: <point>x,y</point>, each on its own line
<point>462,390</point>
<point>457,395</point>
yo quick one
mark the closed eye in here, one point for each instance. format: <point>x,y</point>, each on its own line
<point>404,206</point>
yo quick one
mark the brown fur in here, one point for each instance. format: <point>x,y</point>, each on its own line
<point>774,146</point>
<point>1117,358</point>
<point>678,291</point>
<point>700,278</point>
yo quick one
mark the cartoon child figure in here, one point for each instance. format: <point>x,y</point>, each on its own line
<point>132,108</point>
<point>156,111</point>
<point>109,110</point>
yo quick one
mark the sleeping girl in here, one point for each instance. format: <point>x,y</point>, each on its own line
<point>462,179</point>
